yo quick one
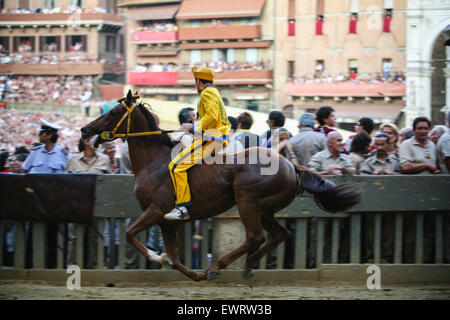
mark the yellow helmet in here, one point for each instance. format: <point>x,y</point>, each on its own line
<point>203,73</point>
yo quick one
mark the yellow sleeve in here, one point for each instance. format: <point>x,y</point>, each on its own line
<point>211,116</point>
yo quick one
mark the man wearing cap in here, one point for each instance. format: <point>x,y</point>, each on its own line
<point>49,157</point>
<point>307,142</point>
<point>211,127</point>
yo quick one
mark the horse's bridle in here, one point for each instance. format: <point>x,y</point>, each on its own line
<point>111,135</point>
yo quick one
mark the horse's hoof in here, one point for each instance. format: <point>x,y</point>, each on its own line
<point>248,274</point>
<point>211,275</point>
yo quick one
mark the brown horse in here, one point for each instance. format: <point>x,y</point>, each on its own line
<point>215,188</point>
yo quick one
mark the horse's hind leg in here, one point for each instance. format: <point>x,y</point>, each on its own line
<point>149,218</point>
<point>277,235</point>
<point>254,238</point>
<point>171,244</point>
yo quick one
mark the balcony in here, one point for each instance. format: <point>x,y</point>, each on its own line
<point>238,77</point>
<point>220,33</point>
<point>152,78</point>
<point>59,19</point>
<point>72,69</point>
<point>142,37</point>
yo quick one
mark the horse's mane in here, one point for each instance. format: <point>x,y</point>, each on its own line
<point>159,139</point>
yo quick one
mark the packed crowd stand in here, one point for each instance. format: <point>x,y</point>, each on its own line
<point>68,90</point>
<point>70,9</point>
<point>318,145</point>
<point>158,27</point>
<point>215,66</point>
<point>396,77</point>
<point>48,58</point>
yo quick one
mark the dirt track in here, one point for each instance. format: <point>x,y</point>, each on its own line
<point>186,290</point>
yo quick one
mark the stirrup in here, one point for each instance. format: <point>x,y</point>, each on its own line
<point>178,213</point>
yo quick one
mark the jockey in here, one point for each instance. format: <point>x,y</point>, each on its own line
<point>211,130</point>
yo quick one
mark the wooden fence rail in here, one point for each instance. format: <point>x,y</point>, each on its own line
<point>402,219</point>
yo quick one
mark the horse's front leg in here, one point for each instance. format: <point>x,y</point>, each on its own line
<point>169,232</point>
<point>149,218</point>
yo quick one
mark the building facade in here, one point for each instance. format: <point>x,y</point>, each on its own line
<point>62,38</point>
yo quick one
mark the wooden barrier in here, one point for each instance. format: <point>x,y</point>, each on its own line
<point>411,211</point>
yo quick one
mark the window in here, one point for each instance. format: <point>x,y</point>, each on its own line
<point>76,43</point>
<point>24,44</point>
<point>196,24</point>
<point>49,44</point>
<point>50,4</point>
<point>4,44</point>
<point>24,4</point>
<point>387,17</point>
<point>319,68</point>
<point>251,55</point>
<point>320,7</point>
<point>121,44</point>
<point>2,4</point>
<point>196,56</point>
<point>353,23</point>
<point>111,43</point>
<point>352,68</point>
<point>230,55</point>
<point>388,4</point>
<point>291,18</point>
<point>291,70</point>
<point>319,25</point>
<point>76,3</point>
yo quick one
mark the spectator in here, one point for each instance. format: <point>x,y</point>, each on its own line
<point>359,150</point>
<point>327,120</point>
<point>246,138</point>
<point>363,125</point>
<point>280,143</point>
<point>405,134</point>
<point>443,149</point>
<point>332,160</point>
<point>418,154</point>
<point>437,132</point>
<point>392,132</point>
<point>381,162</point>
<point>109,148</point>
<point>87,161</point>
<point>3,160</point>
<point>307,142</point>
<point>275,121</point>
<point>387,67</point>
<point>186,115</point>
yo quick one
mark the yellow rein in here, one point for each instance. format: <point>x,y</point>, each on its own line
<point>111,135</point>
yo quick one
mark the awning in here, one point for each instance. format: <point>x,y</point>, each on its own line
<point>164,12</point>
<point>152,78</point>
<point>347,89</point>
<point>207,9</point>
<point>131,3</point>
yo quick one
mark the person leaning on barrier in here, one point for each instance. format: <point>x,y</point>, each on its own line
<point>242,134</point>
<point>307,142</point>
<point>332,160</point>
<point>88,160</point>
<point>443,149</point>
<point>49,157</point>
<point>359,150</point>
<point>186,115</point>
<point>327,120</point>
<point>405,134</point>
<point>418,154</point>
<point>275,121</point>
<point>381,162</point>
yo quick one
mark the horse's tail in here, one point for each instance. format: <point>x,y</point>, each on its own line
<point>328,196</point>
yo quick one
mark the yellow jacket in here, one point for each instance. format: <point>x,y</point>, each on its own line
<point>212,116</point>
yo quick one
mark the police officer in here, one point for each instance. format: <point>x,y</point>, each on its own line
<point>49,157</point>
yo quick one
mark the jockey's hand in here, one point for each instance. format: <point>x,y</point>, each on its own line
<point>187,127</point>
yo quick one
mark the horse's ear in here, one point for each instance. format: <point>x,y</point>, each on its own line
<point>129,95</point>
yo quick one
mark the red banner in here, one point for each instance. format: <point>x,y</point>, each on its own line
<point>291,28</point>
<point>152,78</point>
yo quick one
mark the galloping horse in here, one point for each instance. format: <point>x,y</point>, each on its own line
<point>215,188</point>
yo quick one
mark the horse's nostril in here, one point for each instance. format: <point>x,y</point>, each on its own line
<point>83,130</point>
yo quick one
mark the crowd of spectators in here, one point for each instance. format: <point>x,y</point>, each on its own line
<point>70,9</point>
<point>158,27</point>
<point>47,58</point>
<point>396,77</point>
<point>68,90</point>
<point>215,66</point>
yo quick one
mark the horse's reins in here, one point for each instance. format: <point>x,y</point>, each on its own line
<point>111,135</point>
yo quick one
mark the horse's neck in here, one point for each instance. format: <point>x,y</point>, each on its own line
<point>142,153</point>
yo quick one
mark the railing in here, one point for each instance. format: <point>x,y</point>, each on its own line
<point>230,77</point>
<point>410,222</point>
<point>154,37</point>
